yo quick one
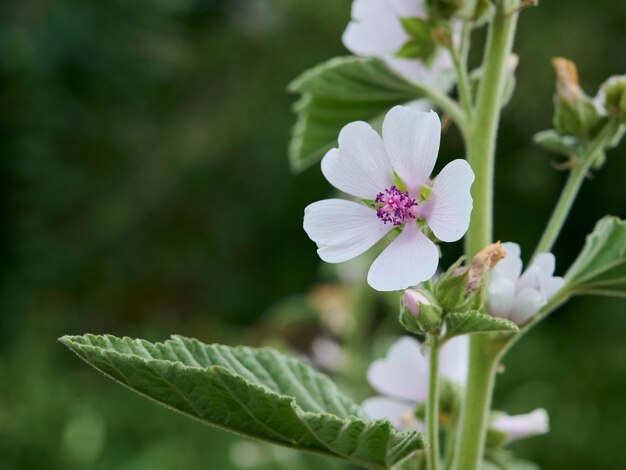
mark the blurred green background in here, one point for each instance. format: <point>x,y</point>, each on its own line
<point>145,190</point>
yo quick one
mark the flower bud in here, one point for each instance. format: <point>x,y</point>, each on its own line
<point>461,288</point>
<point>419,313</point>
<point>613,96</point>
<point>575,112</point>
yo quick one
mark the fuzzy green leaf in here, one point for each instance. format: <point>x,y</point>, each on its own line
<point>601,266</point>
<point>337,92</point>
<point>474,322</point>
<point>560,144</point>
<point>258,393</point>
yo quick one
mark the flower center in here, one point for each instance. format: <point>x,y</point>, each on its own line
<point>395,206</point>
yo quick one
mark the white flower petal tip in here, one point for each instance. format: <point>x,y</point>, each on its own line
<point>519,296</point>
<point>520,426</point>
<point>410,259</point>
<point>450,205</point>
<point>400,374</point>
<point>399,413</point>
<point>359,166</point>
<point>412,139</point>
<point>454,359</point>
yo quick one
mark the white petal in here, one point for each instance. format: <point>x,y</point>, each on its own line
<point>532,278</point>
<point>440,73</point>
<point>375,29</point>
<point>403,374</point>
<point>520,426</point>
<point>545,262</point>
<point>527,303</point>
<point>399,413</point>
<point>501,297</point>
<point>342,229</point>
<point>412,141</point>
<point>454,359</point>
<point>359,166</point>
<point>409,259</point>
<point>511,266</point>
<point>450,205</point>
<point>551,287</point>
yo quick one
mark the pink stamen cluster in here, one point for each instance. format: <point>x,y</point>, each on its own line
<point>394,206</point>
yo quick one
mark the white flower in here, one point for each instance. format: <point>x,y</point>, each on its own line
<point>402,380</point>
<point>519,426</point>
<point>518,296</point>
<point>376,31</point>
<point>368,167</point>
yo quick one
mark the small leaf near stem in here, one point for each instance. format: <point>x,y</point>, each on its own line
<point>432,417</point>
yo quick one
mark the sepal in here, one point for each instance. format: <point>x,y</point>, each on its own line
<point>419,312</point>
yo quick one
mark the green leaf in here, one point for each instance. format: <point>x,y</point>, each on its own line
<point>422,44</point>
<point>601,266</point>
<point>337,92</point>
<point>258,393</point>
<point>474,322</point>
<point>553,141</point>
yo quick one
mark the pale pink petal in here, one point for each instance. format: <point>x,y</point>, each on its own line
<point>501,297</point>
<point>342,229</point>
<point>359,166</point>
<point>403,373</point>
<point>527,303</point>
<point>510,267</point>
<point>410,259</point>
<point>450,205</point>
<point>454,359</point>
<point>375,29</point>
<point>552,286</point>
<point>412,141</point>
<point>532,278</point>
<point>399,413</point>
<point>545,262</point>
<point>520,426</point>
<point>439,74</point>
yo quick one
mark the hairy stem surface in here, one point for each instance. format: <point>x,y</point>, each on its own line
<point>484,349</point>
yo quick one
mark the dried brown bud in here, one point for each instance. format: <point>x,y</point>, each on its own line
<point>567,83</point>
<point>484,261</point>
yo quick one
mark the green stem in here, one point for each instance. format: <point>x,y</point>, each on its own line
<point>572,187</point>
<point>432,409</point>
<point>482,143</point>
<point>463,81</point>
<point>484,349</point>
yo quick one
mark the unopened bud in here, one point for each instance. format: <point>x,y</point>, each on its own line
<point>575,112</point>
<point>419,313</point>
<point>613,96</point>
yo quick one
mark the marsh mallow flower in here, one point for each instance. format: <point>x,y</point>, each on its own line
<point>391,177</point>
<point>518,296</point>
<point>379,29</point>
<point>402,380</point>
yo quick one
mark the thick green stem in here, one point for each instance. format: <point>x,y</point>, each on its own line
<point>482,135</point>
<point>484,350</point>
<point>572,187</point>
<point>432,408</point>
